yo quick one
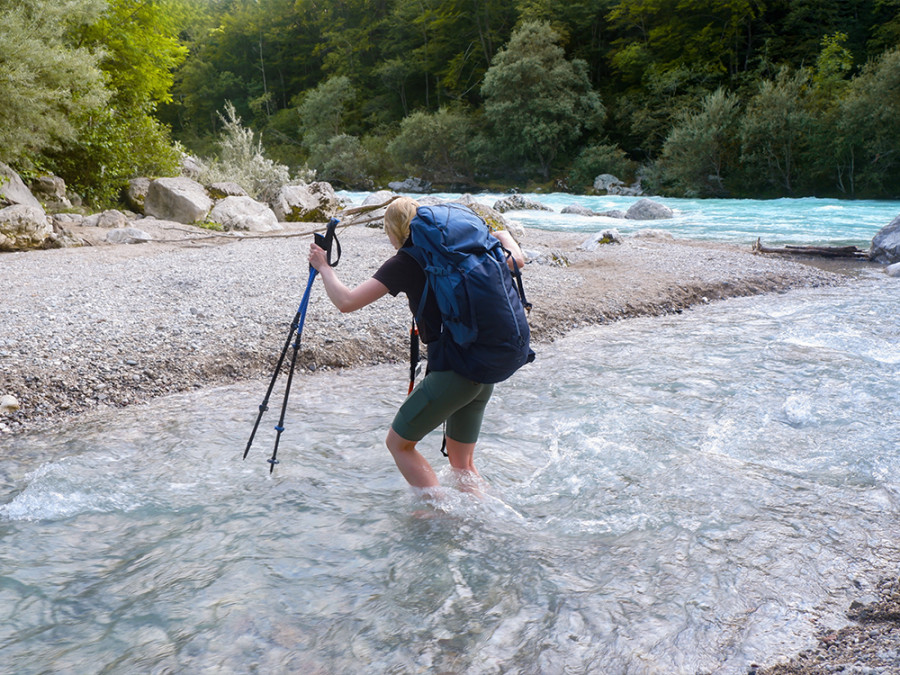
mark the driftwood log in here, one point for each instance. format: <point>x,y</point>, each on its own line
<point>826,251</point>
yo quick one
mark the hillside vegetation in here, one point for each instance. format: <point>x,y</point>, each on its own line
<point>733,98</point>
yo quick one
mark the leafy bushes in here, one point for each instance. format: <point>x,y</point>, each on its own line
<point>435,146</point>
<point>111,148</point>
<point>599,159</point>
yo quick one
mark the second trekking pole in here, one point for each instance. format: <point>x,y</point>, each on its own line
<point>296,331</point>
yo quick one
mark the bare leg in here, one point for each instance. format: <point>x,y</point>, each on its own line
<point>414,467</point>
<point>462,459</point>
<point>461,456</point>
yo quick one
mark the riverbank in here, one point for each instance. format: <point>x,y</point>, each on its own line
<point>115,325</point>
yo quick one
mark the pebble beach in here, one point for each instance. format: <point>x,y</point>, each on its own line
<point>116,325</point>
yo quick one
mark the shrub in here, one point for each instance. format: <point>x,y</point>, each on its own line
<point>242,160</point>
<point>434,145</point>
<point>113,147</point>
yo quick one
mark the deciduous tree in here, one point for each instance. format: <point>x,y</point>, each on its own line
<point>702,146</point>
<point>537,102</point>
<point>435,146</point>
<point>869,132</point>
<point>46,82</point>
<point>774,131</point>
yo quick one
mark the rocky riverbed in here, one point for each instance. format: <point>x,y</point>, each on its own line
<point>115,325</point>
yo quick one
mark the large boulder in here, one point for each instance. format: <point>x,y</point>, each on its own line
<point>224,189</point>
<point>14,191</point>
<point>608,183</point>
<point>112,218</point>
<point>135,194</point>
<point>313,203</point>
<point>519,203</point>
<point>577,210</point>
<point>886,244</point>
<point>180,199</point>
<point>23,226</point>
<point>51,190</point>
<point>244,213</point>
<point>647,209</point>
<point>127,235</point>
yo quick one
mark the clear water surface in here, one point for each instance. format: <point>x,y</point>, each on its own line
<point>821,222</point>
<point>686,494</point>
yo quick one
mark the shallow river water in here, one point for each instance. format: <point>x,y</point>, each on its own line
<point>686,494</point>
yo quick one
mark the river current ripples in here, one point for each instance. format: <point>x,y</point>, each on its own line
<point>685,494</point>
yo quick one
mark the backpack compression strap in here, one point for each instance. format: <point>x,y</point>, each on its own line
<point>518,276</point>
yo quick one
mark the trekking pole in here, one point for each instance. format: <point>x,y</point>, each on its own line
<point>325,242</point>
<point>413,354</point>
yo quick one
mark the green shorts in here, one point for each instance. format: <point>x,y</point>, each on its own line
<point>443,396</point>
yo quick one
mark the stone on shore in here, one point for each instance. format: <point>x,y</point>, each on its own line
<point>8,403</point>
<point>23,227</point>
<point>244,213</point>
<point>411,184</point>
<point>376,198</point>
<point>127,235</point>
<point>611,185</point>
<point>14,191</point>
<point>180,199</point>
<point>225,189</point>
<point>313,203</point>
<point>109,219</point>
<point>886,244</point>
<point>601,238</point>
<point>51,191</point>
<point>67,219</point>
<point>606,182</point>
<point>136,194</point>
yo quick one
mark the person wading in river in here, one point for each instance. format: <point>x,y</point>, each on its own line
<point>443,395</point>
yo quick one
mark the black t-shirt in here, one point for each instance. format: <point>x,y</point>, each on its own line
<point>402,274</point>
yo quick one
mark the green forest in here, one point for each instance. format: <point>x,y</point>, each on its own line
<point>732,98</point>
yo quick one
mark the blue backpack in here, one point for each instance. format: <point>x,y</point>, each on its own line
<point>485,335</point>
